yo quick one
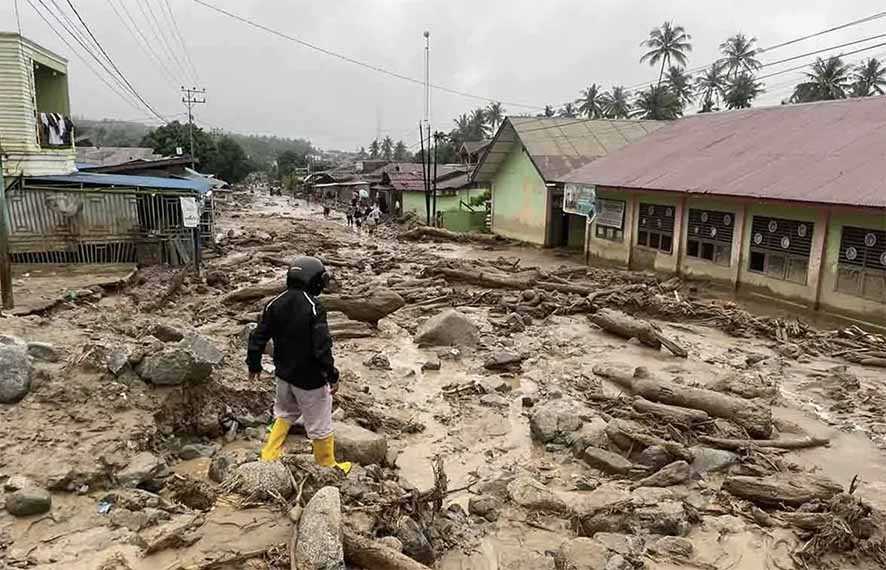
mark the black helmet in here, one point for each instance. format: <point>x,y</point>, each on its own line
<point>307,273</point>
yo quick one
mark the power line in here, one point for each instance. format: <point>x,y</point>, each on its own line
<point>181,39</point>
<point>143,45</point>
<point>114,65</point>
<point>827,31</point>
<point>799,67</point>
<point>787,59</point>
<point>363,64</point>
<point>154,28</point>
<point>169,47</point>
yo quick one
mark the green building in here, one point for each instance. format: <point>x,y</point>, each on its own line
<point>525,161</point>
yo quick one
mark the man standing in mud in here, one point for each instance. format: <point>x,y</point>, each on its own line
<point>305,368</point>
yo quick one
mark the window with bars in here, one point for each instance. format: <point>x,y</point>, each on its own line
<point>655,227</point>
<point>781,248</point>
<point>709,235</point>
<point>861,266</point>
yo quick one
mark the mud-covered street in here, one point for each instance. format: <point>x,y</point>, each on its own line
<point>497,424</point>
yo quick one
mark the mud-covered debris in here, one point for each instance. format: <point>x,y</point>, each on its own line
<point>318,545</point>
<point>25,498</point>
<point>591,434</point>
<point>432,363</point>
<point>193,493</point>
<point>555,420</point>
<point>353,443</point>
<point>136,520</point>
<point>196,450</point>
<point>180,532</point>
<point>582,554</point>
<point>448,328</point>
<point>167,332</point>
<point>218,279</point>
<point>484,506</point>
<point>190,361</point>
<point>12,340</point>
<point>531,494</point>
<point>629,545</point>
<point>606,461</point>
<point>44,351</point>
<point>618,562</point>
<point>791,489</point>
<point>654,456</point>
<point>369,308</point>
<point>16,373</point>
<point>494,401</point>
<point>707,460</point>
<point>145,470</point>
<point>672,474</point>
<point>391,542</point>
<point>415,543</point>
<point>494,385</point>
<point>504,361</point>
<point>118,359</point>
<point>378,361</point>
<point>675,546</point>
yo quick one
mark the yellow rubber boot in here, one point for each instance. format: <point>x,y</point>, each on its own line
<point>273,448</point>
<point>324,454</point>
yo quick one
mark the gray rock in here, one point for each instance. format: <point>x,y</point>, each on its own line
<point>143,470</point>
<point>295,514</point>
<point>673,546</point>
<point>27,501</point>
<point>378,361</point>
<point>581,554</point>
<point>706,459</point>
<point>353,443</point>
<point>44,351</point>
<point>195,450</point>
<point>319,545</point>
<point>504,361</point>
<point>224,463</point>
<point>555,421</point>
<point>167,332</point>
<point>494,385</point>
<point>432,363</point>
<point>666,517</point>
<point>264,479</point>
<point>415,543</point>
<point>15,373</point>
<point>191,360</point>
<point>118,360</point>
<point>591,434</point>
<point>246,332</point>
<point>17,482</point>
<point>618,562</point>
<point>485,506</point>
<point>531,494</point>
<point>606,461</point>
<point>391,542</point>
<point>624,544</point>
<point>12,340</point>
<point>671,474</point>
<point>494,401</point>
<point>654,456</point>
<point>449,328</point>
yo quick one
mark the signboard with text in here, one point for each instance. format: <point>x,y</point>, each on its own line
<point>610,213</point>
<point>190,212</point>
<point>580,199</point>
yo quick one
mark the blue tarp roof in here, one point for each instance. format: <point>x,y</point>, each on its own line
<point>126,181</point>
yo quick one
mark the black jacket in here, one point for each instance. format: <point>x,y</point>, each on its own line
<point>302,344</point>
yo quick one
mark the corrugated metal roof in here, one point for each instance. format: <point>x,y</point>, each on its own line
<point>124,181</point>
<point>558,145</point>
<point>829,152</point>
<point>112,155</point>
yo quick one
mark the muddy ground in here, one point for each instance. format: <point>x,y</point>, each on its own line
<point>81,425</point>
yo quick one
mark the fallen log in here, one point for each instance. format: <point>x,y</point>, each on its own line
<point>483,279</point>
<point>232,260</point>
<point>254,292</point>
<point>805,521</point>
<point>676,414</point>
<point>345,329</point>
<point>564,287</point>
<point>626,326</point>
<point>786,443</point>
<point>604,292</point>
<point>367,553</point>
<point>368,308</point>
<point>422,232</point>
<point>627,434</point>
<point>755,418</point>
<point>792,490</point>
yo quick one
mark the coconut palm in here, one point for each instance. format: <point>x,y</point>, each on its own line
<point>591,102</point>
<point>568,110</point>
<point>828,79</point>
<point>616,104</point>
<point>740,53</point>
<point>711,86</point>
<point>495,114</point>
<point>479,129</point>
<point>741,91</point>
<point>667,43</point>
<point>387,148</point>
<point>680,84</point>
<point>374,148</point>
<point>657,103</point>
<point>870,77</point>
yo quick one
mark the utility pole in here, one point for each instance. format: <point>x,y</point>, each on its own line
<point>5,263</point>
<point>192,96</point>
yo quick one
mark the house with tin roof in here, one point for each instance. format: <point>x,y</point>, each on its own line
<point>784,202</point>
<point>523,165</point>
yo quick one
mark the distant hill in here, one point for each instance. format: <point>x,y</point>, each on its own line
<point>262,149</point>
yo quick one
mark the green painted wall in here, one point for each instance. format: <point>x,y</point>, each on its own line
<point>464,221</point>
<point>51,91</point>
<point>519,199</point>
<point>415,201</point>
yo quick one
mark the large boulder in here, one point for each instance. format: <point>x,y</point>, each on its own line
<point>145,469</point>
<point>582,554</point>
<point>263,479</point>
<point>191,360</point>
<point>532,495</point>
<point>368,308</point>
<point>555,420</point>
<point>15,373</point>
<point>449,328</point>
<point>606,461</point>
<point>415,543</point>
<point>27,501</point>
<point>354,443</point>
<point>319,542</point>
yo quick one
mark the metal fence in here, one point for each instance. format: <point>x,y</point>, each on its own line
<point>51,224</point>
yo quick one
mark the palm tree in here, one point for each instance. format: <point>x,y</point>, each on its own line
<point>740,55</point>
<point>680,84</point>
<point>741,91</point>
<point>479,130</point>
<point>828,80</point>
<point>495,113</point>
<point>401,153</point>
<point>711,85</point>
<point>870,76</point>
<point>374,148</point>
<point>667,43</point>
<point>616,104</point>
<point>591,102</point>
<point>387,148</point>
<point>657,103</point>
<point>568,110</point>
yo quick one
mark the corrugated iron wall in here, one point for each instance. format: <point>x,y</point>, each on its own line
<point>76,225</point>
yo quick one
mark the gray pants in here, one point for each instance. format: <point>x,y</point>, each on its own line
<point>314,406</point>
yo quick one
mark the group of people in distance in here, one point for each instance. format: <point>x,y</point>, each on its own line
<point>359,213</point>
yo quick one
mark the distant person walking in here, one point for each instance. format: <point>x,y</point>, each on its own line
<point>373,218</point>
<point>350,216</point>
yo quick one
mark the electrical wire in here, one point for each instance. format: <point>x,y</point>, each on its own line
<point>805,65</point>
<point>827,31</point>
<point>181,39</point>
<point>145,46</point>
<point>155,23</point>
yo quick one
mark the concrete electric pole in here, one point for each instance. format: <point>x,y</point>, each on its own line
<point>192,96</point>
<point>5,262</point>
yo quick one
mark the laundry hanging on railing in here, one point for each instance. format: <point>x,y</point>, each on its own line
<point>55,129</point>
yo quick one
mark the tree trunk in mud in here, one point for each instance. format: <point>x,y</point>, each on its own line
<point>368,308</point>
<point>481,279</point>
<point>675,414</point>
<point>423,232</point>
<point>627,326</point>
<point>782,489</point>
<point>787,443</point>
<point>367,553</point>
<point>254,292</point>
<point>755,418</point>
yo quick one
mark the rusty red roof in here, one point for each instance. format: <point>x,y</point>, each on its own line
<point>830,152</point>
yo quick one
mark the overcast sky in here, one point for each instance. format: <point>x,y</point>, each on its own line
<point>518,51</point>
